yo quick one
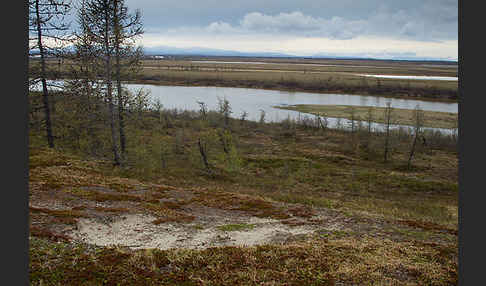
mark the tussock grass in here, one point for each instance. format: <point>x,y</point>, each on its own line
<point>167,214</point>
<point>321,261</point>
<point>101,196</point>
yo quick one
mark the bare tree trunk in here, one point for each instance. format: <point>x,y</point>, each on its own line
<point>121,111</point>
<point>45,94</point>
<point>109,92</point>
<point>121,121</point>
<point>418,114</point>
<point>412,151</point>
<point>204,156</point>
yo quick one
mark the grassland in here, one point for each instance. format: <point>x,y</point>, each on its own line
<point>400,116</point>
<point>381,223</point>
<point>322,76</point>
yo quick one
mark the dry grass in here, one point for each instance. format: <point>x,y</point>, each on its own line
<point>252,205</point>
<point>400,116</point>
<point>345,261</point>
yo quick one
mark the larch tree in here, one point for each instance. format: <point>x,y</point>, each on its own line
<point>109,26</point>
<point>47,33</point>
<point>127,28</point>
<point>87,64</point>
<point>98,18</point>
<point>83,84</point>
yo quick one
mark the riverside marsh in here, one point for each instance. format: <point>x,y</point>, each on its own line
<point>401,116</point>
<point>365,221</point>
<point>310,75</point>
<point>343,77</point>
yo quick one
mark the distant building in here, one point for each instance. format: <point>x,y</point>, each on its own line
<point>159,57</point>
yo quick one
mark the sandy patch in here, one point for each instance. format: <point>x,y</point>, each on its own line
<point>137,231</point>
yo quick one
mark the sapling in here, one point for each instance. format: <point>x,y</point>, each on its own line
<point>203,109</point>
<point>388,121</point>
<point>203,151</point>
<point>418,117</point>
<point>244,114</point>
<point>224,110</point>
<point>262,116</point>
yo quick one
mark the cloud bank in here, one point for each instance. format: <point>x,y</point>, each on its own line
<point>430,23</point>
<point>427,28</point>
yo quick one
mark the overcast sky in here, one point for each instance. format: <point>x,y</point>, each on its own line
<point>377,28</point>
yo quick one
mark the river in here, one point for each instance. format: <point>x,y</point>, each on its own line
<point>253,101</point>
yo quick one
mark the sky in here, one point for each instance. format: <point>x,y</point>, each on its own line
<point>365,28</point>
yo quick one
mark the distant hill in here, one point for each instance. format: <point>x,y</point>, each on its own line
<point>384,56</point>
<point>197,51</point>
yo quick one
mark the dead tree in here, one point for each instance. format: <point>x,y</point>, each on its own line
<point>46,24</point>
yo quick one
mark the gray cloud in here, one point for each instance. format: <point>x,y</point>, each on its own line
<point>298,23</point>
<point>432,20</point>
<point>399,24</point>
<point>294,21</point>
<point>426,20</point>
